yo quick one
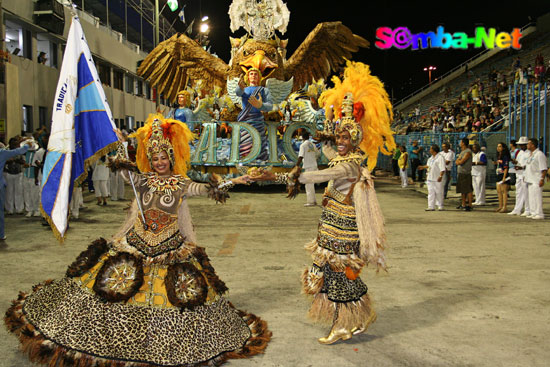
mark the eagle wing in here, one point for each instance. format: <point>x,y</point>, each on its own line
<point>179,59</point>
<point>324,49</point>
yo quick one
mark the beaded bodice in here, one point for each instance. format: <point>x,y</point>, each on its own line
<point>160,198</point>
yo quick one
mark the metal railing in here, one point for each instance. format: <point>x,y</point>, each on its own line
<point>456,68</point>
<point>528,114</point>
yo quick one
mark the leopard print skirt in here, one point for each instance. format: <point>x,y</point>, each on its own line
<point>118,314</point>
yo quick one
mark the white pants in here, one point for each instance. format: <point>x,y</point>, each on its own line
<point>14,193</point>
<point>76,200</point>
<point>535,199</point>
<point>101,188</point>
<point>31,195</point>
<point>435,194</point>
<point>116,184</point>
<point>478,182</point>
<point>522,197</point>
<point>404,178</point>
<point>310,188</point>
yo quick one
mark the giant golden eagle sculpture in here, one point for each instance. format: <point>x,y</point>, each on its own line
<point>180,59</point>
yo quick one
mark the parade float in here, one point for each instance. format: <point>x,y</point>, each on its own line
<point>212,98</point>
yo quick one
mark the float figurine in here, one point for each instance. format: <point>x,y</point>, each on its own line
<point>255,99</point>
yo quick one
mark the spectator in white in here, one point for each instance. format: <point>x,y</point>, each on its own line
<point>514,151</point>
<point>535,172</point>
<point>434,178</point>
<point>4,156</point>
<point>449,157</point>
<point>101,179</point>
<point>77,201</point>
<point>522,197</point>
<point>116,181</point>
<point>308,158</point>
<point>31,185</point>
<point>402,162</point>
<point>13,176</point>
<point>479,172</point>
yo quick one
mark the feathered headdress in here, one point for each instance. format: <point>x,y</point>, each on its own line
<point>372,108</point>
<point>160,134</point>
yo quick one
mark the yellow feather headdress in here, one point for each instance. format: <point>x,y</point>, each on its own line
<point>160,134</point>
<point>369,91</point>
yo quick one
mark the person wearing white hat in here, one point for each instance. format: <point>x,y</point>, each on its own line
<point>479,172</point>
<point>535,172</point>
<point>522,195</point>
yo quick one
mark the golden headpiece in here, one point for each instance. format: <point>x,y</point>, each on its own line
<point>372,109</point>
<point>348,120</point>
<point>160,134</point>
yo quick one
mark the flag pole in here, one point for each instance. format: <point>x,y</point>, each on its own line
<point>137,199</point>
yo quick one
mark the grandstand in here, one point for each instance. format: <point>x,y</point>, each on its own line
<point>521,113</point>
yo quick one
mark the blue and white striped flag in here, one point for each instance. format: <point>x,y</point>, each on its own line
<point>81,132</point>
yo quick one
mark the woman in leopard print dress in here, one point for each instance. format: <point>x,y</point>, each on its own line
<point>148,297</point>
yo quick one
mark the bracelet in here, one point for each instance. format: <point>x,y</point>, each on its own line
<point>281,178</point>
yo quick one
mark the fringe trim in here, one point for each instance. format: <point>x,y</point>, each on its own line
<point>370,222</point>
<point>350,314</point>
<point>322,256</point>
<point>43,351</point>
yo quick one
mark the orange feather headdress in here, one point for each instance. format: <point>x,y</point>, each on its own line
<point>160,134</point>
<point>372,109</point>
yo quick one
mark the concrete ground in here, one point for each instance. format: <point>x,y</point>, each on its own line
<point>463,288</point>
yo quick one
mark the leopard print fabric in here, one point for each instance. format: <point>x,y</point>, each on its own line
<point>74,318</point>
<point>341,289</point>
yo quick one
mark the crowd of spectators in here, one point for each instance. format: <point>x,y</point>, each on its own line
<point>521,164</point>
<point>22,177</point>
<point>477,107</point>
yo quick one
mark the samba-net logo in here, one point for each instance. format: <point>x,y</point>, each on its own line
<point>402,38</point>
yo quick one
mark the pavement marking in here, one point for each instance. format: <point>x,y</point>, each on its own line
<point>229,243</point>
<point>245,209</point>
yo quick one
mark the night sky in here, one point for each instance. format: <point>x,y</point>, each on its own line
<point>400,70</point>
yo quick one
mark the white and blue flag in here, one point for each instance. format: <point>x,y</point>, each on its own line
<point>81,132</point>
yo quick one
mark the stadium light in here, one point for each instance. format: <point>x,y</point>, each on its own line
<point>205,18</point>
<point>204,28</point>
<point>429,70</point>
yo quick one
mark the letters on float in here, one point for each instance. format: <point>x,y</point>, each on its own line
<point>207,146</point>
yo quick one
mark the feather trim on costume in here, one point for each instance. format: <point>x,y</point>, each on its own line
<point>217,188</point>
<point>322,256</point>
<point>185,286</point>
<point>359,313</point>
<point>312,280</point>
<point>122,164</point>
<point>88,258</point>
<point>119,278</point>
<point>208,270</point>
<point>179,135</point>
<point>378,114</point>
<point>43,351</point>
